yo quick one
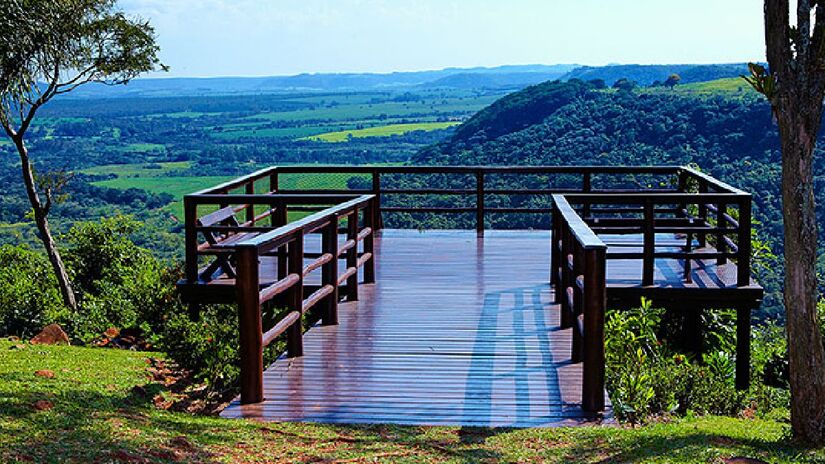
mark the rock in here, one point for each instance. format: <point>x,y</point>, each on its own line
<point>14,338</point>
<point>111,332</point>
<point>52,334</point>
<point>45,373</point>
<point>43,405</point>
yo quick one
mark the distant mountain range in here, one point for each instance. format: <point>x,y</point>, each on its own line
<point>498,78</point>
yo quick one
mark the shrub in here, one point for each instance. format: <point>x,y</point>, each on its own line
<point>647,377</point>
<point>118,283</point>
<point>29,297</point>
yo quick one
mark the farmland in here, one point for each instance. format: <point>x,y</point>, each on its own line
<point>381,131</point>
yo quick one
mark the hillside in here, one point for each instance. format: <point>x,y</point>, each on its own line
<point>648,74</point>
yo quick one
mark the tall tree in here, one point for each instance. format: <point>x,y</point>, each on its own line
<point>795,87</point>
<point>49,48</point>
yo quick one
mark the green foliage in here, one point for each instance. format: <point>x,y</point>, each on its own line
<point>647,376</point>
<point>119,284</point>
<point>29,298</point>
<point>49,47</point>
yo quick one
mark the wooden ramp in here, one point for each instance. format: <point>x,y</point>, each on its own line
<point>458,330</point>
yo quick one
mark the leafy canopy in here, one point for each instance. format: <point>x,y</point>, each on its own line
<point>50,47</point>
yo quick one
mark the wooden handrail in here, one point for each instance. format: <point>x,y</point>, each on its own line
<point>578,258</point>
<point>291,236</point>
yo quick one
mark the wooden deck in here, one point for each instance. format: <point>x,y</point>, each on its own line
<point>458,330</point>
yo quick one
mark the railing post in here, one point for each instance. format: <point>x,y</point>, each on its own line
<point>249,189</point>
<point>743,260</point>
<point>555,237</point>
<point>277,220</point>
<point>579,269</point>
<point>329,272</point>
<point>703,214</point>
<point>649,258</point>
<point>352,256</point>
<point>190,213</point>
<point>564,277</point>
<point>587,187</point>
<point>721,222</point>
<point>376,211</point>
<point>273,182</point>
<point>480,202</point>
<point>595,302</point>
<point>369,243</point>
<point>295,299</point>
<point>250,326</point>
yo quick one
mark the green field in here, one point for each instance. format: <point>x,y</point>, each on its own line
<point>161,178</point>
<point>138,169</point>
<point>100,409</point>
<point>177,186</point>
<point>381,131</point>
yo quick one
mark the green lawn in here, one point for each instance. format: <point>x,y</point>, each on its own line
<point>381,131</point>
<point>99,416</point>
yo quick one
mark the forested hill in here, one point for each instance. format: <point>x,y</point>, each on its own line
<point>727,134</point>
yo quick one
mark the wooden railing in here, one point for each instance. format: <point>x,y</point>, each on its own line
<point>234,247</point>
<point>578,257</point>
<point>250,296</point>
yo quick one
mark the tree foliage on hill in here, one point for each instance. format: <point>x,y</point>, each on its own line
<point>49,48</point>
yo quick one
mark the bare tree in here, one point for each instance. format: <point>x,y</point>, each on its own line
<point>49,48</point>
<point>795,86</point>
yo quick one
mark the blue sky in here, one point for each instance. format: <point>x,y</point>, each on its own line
<point>276,37</point>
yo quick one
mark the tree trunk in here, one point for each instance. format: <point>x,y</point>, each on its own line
<point>42,222</point>
<point>798,125</point>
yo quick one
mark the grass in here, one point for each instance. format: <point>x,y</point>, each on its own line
<point>99,415</point>
<point>381,131</point>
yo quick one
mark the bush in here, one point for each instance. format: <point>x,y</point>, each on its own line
<point>118,283</point>
<point>29,297</point>
<point>647,377</point>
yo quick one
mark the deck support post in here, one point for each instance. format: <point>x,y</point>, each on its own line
<point>595,302</point>
<point>743,347</point>
<point>250,326</point>
<point>352,256</point>
<point>295,299</point>
<point>329,273</point>
<point>190,214</point>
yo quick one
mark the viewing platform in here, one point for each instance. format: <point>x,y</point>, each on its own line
<point>473,327</point>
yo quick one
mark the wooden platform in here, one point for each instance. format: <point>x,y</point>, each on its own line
<point>457,331</point>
